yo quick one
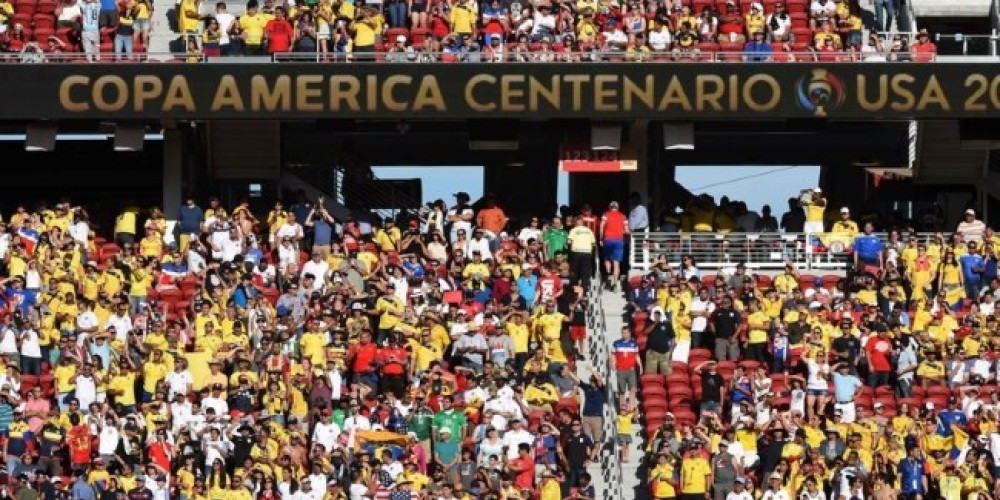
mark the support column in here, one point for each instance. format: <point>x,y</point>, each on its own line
<point>173,170</point>
<point>640,181</point>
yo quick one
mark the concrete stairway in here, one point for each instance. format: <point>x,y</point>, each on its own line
<point>612,479</point>
<point>163,35</point>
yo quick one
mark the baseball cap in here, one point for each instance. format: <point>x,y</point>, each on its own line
<point>845,210</point>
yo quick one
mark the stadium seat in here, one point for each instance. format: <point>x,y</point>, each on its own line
<point>47,6</point>
<point>44,21</point>
<point>651,379</point>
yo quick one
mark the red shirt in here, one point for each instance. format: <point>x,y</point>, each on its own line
<point>279,35</point>
<point>393,360</point>
<point>614,225</point>
<point>364,355</point>
<point>79,444</point>
<point>878,354</point>
<point>548,287</point>
<point>525,474</point>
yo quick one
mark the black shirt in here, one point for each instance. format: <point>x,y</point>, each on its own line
<point>578,449</point>
<point>660,337</point>
<point>711,387</point>
<point>726,322</point>
<point>797,331</point>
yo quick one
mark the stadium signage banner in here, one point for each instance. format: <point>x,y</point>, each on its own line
<point>468,90</point>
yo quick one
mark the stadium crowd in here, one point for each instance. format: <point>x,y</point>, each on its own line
<point>878,384</point>
<point>223,354</point>
<point>465,30</point>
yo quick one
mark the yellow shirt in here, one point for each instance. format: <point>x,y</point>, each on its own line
<point>463,18</point>
<point>152,374</point>
<point>65,375</point>
<point>253,27</point>
<point>519,335</point>
<point>758,323</point>
<point>125,223</point>
<point>662,478</point>
<point>126,384</point>
<point>581,239</point>
<point>551,491</point>
<point>364,34</point>
<point>814,212</point>
<point>694,475</point>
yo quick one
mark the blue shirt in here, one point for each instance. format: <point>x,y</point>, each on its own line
<point>644,297</point>
<point>322,232</point>
<point>969,264</point>
<point>912,472</point>
<point>83,491</point>
<point>868,246</point>
<point>594,399</point>
<point>91,14</point>
<point>948,417</point>
<point>24,299</point>
<point>189,219</point>
<point>844,387</point>
<point>759,51</point>
<point>526,287</point>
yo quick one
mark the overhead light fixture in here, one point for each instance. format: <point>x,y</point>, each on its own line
<point>678,136</point>
<point>605,137</point>
<point>494,135</point>
<point>40,136</point>
<point>129,138</point>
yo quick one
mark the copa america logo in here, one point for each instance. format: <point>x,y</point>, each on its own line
<point>819,91</point>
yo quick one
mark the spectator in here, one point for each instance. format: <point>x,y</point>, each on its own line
<point>90,38</point>
<point>279,35</point>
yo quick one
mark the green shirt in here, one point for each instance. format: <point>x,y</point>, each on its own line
<point>421,422</point>
<point>453,420</point>
<point>555,241</point>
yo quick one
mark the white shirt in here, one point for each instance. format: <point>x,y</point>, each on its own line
<point>700,323</point>
<point>288,229</point>
<point>8,341</point>
<point>319,270</point>
<point>783,24</point>
<point>108,440</point>
<point>482,245</point>
<point>86,320</point>
<point>659,40</point>
<point>775,495</point>
<point>225,19</point>
<point>511,439</point>
<point>29,344</point>
<point>815,382</point>
<point>86,390</point>
<point>32,280</point>
<point>638,218</point>
<point>218,404</point>
<point>312,494</point>
<point>122,324</point>
<point>178,383</point>
<point>529,233</point>
<point>352,425</point>
<point>230,248</point>
<point>326,433</point>
<point>739,496</point>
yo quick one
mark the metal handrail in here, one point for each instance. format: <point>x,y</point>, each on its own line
<point>829,251</point>
<point>478,57</point>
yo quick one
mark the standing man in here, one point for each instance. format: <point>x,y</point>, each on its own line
<point>868,250</point>
<point>638,218</point>
<point>696,474</point>
<point>626,353</point>
<point>815,206</point>
<point>913,474</point>
<point>725,470</point>
<point>970,228</point>
<point>973,266</point>
<point>725,323</point>
<point>581,242</point>
<point>614,230</point>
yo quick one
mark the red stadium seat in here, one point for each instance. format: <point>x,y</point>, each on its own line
<point>677,378</point>
<point>679,367</point>
<point>44,21</point>
<point>794,6</point>
<point>649,391</point>
<point>680,391</point>
<point>639,321</point>
<point>651,379</point>
<point>47,6</point>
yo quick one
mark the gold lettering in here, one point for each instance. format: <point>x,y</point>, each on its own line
<point>270,98</point>
<point>508,93</point>
<point>66,91</point>
<point>905,95</point>
<point>227,95</point>
<point>536,89</point>
<point>979,81</point>
<point>933,94</point>
<point>121,93</point>
<point>344,89</point>
<point>147,87</point>
<point>470,93</point>
<point>644,94</point>
<point>994,94</point>
<point>178,95</point>
<point>879,102</point>
<point>429,95</point>
<point>602,94</point>
<point>388,100</point>
<point>371,93</point>
<point>734,95</point>
<point>674,94</point>
<point>576,81</point>
<point>705,98</point>
<point>767,80</point>
<point>308,94</point>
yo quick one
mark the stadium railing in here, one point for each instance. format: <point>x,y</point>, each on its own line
<point>599,357</point>
<point>475,57</point>
<point>759,251</point>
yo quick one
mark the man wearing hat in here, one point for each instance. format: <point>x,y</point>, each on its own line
<point>725,472</point>
<point>846,387</point>
<point>971,228</point>
<point>758,49</point>
<point>815,206</point>
<point>613,231</point>
<point>459,216</point>
<point>696,474</point>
